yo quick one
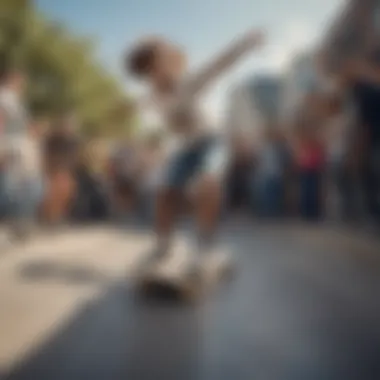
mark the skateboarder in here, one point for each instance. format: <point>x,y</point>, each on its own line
<point>200,157</point>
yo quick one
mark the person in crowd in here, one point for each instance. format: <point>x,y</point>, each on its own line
<point>240,193</point>
<point>19,163</point>
<point>151,162</point>
<point>124,171</point>
<point>309,155</point>
<point>92,200</point>
<point>200,159</point>
<point>62,148</point>
<point>270,173</point>
<point>35,178</point>
<point>359,77</point>
<point>343,189</point>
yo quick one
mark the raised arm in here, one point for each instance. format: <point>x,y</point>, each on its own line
<point>225,60</point>
<point>369,72</point>
<point>358,69</point>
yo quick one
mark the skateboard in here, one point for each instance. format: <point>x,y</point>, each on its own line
<point>179,276</point>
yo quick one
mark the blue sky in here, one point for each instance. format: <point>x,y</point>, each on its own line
<point>202,26</point>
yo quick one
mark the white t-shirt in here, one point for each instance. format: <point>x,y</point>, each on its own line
<point>32,153</point>
<point>182,115</point>
<point>181,110</point>
<point>14,123</point>
<point>21,150</point>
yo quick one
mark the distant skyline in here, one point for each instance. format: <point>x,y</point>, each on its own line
<point>201,26</point>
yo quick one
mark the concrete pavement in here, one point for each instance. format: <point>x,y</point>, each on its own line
<point>305,305</point>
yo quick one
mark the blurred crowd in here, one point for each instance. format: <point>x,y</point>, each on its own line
<point>51,174</point>
<point>323,163</point>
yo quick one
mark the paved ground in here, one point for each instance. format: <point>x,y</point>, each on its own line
<point>304,306</point>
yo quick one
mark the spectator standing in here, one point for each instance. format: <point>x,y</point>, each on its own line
<point>270,174</point>
<point>366,95</point>
<point>91,201</point>
<point>62,152</point>
<point>310,160</point>
<point>34,184</point>
<point>240,176</point>
<point>18,154</point>
<point>124,176</point>
<point>360,79</point>
<point>151,163</point>
<point>343,194</point>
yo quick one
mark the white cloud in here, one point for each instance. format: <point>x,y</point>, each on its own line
<point>296,36</point>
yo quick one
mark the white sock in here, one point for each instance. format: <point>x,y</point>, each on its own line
<point>205,242</point>
<point>163,243</point>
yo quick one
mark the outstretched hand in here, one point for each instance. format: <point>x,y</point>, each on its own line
<point>256,37</point>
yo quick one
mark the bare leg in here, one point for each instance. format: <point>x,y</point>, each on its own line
<point>167,202</point>
<point>208,203</point>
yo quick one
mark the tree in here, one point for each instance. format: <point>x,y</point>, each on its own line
<point>62,70</point>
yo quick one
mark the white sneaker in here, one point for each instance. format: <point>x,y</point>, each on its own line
<point>216,259</point>
<point>156,254</point>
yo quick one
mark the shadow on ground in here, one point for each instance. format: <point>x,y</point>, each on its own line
<point>295,312</point>
<point>119,337</point>
<point>48,270</point>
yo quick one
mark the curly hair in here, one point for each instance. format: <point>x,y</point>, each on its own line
<point>140,60</point>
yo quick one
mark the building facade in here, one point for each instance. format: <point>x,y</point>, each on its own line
<point>254,105</point>
<point>354,32</point>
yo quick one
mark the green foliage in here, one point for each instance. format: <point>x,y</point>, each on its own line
<point>62,70</point>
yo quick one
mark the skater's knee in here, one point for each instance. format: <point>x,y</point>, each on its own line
<point>208,186</point>
<point>167,195</point>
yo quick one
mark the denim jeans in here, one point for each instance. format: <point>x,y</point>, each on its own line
<point>310,197</point>
<point>20,198</point>
<point>270,196</point>
<point>348,191</point>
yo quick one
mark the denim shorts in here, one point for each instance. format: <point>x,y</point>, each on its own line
<point>20,198</point>
<point>208,156</point>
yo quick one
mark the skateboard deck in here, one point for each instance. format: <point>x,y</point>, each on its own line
<point>177,277</point>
